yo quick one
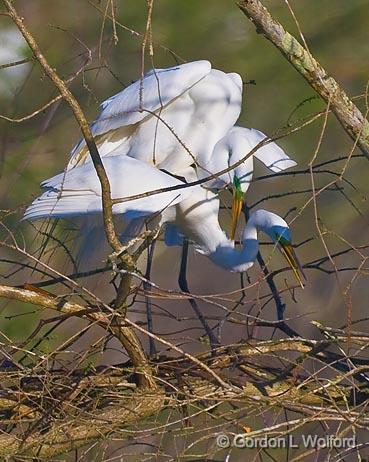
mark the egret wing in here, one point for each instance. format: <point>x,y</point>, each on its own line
<point>77,192</point>
<point>271,155</point>
<point>139,100</point>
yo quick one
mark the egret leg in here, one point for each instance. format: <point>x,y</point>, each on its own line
<point>182,282</point>
<point>280,305</point>
<point>147,287</point>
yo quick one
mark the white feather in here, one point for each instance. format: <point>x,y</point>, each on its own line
<point>187,109</point>
<point>78,191</point>
<point>233,147</point>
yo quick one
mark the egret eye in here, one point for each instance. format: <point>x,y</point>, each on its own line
<point>282,240</point>
<point>282,235</point>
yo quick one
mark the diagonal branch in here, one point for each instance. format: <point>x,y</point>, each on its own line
<point>82,122</point>
<point>123,333</point>
<point>350,117</point>
<point>127,335</point>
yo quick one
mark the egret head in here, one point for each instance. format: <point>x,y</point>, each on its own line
<point>281,235</point>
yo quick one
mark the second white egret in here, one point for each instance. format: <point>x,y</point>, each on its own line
<point>194,209</point>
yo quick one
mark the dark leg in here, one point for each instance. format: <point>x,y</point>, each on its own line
<point>146,286</point>
<point>182,282</point>
<point>279,304</point>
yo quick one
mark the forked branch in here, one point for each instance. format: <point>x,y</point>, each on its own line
<point>127,336</point>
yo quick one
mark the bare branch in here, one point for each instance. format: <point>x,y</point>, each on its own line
<point>344,109</point>
<point>131,343</point>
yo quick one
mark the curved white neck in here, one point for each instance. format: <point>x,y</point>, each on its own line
<point>197,217</point>
<point>237,260</point>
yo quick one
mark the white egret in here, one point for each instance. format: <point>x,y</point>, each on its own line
<point>197,219</point>
<point>228,151</point>
<point>194,210</point>
<point>181,116</point>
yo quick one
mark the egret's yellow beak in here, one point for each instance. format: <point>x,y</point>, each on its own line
<point>237,205</point>
<point>290,256</point>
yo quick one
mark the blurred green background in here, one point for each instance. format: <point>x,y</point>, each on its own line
<point>337,32</point>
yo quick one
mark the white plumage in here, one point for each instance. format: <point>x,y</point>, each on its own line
<point>77,192</point>
<point>194,210</point>
<point>171,118</point>
<point>182,117</point>
<point>196,217</point>
<point>233,147</point>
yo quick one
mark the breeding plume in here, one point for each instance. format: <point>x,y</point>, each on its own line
<point>194,210</point>
<point>182,118</point>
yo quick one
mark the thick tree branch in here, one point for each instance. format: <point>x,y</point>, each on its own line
<point>131,406</point>
<point>112,323</point>
<point>344,109</point>
<point>126,334</point>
